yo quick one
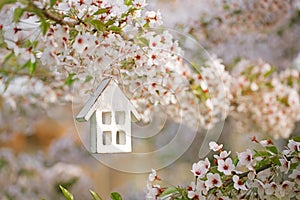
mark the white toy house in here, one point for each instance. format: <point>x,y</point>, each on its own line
<point>109,112</point>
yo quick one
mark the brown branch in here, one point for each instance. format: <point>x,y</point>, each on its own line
<point>58,19</point>
<point>53,16</point>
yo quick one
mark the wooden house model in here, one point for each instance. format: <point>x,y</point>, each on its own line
<point>109,112</point>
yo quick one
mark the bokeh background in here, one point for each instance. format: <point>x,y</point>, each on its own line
<point>43,148</point>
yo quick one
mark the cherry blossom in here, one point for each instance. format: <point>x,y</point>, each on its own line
<point>200,168</point>
<point>295,175</point>
<point>152,191</point>
<point>246,159</point>
<point>213,180</point>
<point>194,191</point>
<point>214,146</point>
<point>223,155</point>
<point>285,189</point>
<point>153,176</point>
<point>238,184</point>
<point>285,165</point>
<point>225,166</point>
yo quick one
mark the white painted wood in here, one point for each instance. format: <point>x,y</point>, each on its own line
<point>109,98</point>
<point>93,129</point>
<point>88,109</point>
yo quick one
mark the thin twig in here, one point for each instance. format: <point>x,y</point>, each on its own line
<point>228,182</point>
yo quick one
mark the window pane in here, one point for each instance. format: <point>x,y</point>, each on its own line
<point>120,117</point>
<point>106,117</point>
<point>107,138</point>
<point>121,137</point>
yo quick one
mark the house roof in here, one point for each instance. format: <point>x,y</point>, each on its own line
<point>89,108</point>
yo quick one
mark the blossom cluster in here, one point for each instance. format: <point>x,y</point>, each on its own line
<point>63,42</point>
<point>252,174</point>
<point>24,176</point>
<point>265,99</point>
<point>235,17</point>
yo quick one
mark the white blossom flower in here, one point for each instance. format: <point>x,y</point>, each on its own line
<point>265,143</point>
<point>152,176</point>
<point>293,145</point>
<point>213,180</point>
<point>223,155</point>
<point>201,168</point>
<point>295,175</point>
<point>260,188</point>
<point>246,159</point>
<point>238,184</point>
<point>194,192</point>
<point>225,166</point>
<point>285,188</point>
<point>271,188</point>
<point>152,191</point>
<point>214,146</point>
<point>285,165</point>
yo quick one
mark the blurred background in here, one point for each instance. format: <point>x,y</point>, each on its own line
<point>43,148</point>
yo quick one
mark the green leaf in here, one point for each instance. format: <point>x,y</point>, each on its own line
<point>101,11</point>
<point>44,26</point>
<point>99,25</point>
<point>70,79</point>
<point>272,149</point>
<point>52,3</point>
<point>128,2</point>
<point>4,2</point>
<point>8,57</point>
<point>109,22</point>
<point>268,73</point>
<point>275,160</point>
<point>236,161</point>
<point>115,196</point>
<point>31,67</point>
<point>296,139</point>
<point>88,78</point>
<point>95,195</point>
<point>294,166</point>
<point>115,29</point>
<point>168,191</point>
<point>144,41</point>
<point>146,25</point>
<point>262,153</point>
<point>66,193</point>
<point>18,12</point>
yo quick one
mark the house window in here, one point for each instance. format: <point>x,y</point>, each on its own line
<point>106,117</point>
<point>107,138</point>
<point>121,138</point>
<point>120,117</point>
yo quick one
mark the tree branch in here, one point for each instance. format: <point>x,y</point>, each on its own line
<point>54,16</point>
<point>228,182</point>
